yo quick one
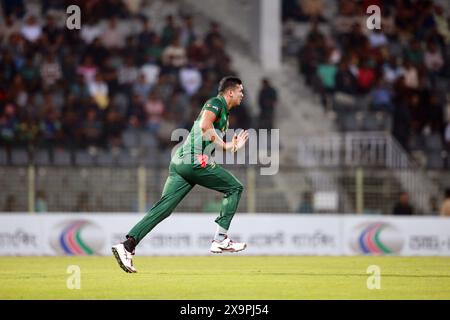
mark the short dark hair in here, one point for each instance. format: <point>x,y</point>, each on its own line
<point>228,82</point>
<point>447,193</point>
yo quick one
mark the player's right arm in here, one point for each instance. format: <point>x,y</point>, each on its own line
<point>207,127</point>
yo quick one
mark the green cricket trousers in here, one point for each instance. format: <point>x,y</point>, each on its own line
<point>182,178</point>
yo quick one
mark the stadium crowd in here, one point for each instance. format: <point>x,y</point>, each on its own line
<point>400,71</point>
<point>84,88</point>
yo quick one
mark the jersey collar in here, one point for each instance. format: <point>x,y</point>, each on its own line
<point>222,98</point>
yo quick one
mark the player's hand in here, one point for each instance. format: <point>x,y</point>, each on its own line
<point>239,140</point>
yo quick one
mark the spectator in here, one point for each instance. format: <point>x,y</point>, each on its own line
<point>155,50</point>
<point>403,207</point>
<point>50,71</point>
<point>19,91</point>
<point>52,33</point>
<point>68,68</point>
<point>433,58</point>
<point>366,76</point>
<point>109,73</point>
<point>312,9</point>
<point>178,106</point>
<point>30,74</point>
<point>377,39</point>
<point>381,98</point>
<point>434,206</point>
<point>345,80</point>
<point>141,87</point>
<point>442,23</point>
<point>7,66</point>
<point>187,33</point>
<point>391,70</point>
<point>70,127</point>
<point>150,70</point>
<point>414,53</point>
<point>213,35</point>
<point>8,125</point>
<point>267,100</point>
<point>164,132</point>
<point>434,115</point>
<point>97,51</point>
<point>190,79</point>
<point>90,31</point>
<point>92,129</point>
<point>10,27</point>
<point>306,205</point>
<point>174,55</point>
<point>98,89</point>
<point>326,73</point>
<point>27,131</point>
<point>113,37</point>
<point>87,69</point>
<point>445,207</point>
<point>197,53</point>
<point>127,75</point>
<point>32,30</point>
<point>411,76</point>
<point>41,201</point>
<point>82,204</point>
<point>154,110</point>
<point>79,89</point>
<point>10,203</point>
<point>147,36</point>
<point>169,31</point>
<point>50,129</point>
<point>113,128</point>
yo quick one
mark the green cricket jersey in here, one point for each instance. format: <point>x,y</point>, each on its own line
<point>195,144</point>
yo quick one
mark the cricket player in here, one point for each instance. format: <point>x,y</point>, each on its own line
<point>191,165</point>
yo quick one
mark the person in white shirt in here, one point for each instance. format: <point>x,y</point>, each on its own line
<point>31,31</point>
<point>90,31</point>
<point>174,55</point>
<point>113,37</point>
<point>433,58</point>
<point>98,89</point>
<point>377,39</point>
<point>150,70</point>
<point>190,79</point>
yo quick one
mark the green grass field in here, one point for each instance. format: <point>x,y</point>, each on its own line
<point>226,277</point>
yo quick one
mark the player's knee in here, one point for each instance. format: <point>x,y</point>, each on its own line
<point>235,188</point>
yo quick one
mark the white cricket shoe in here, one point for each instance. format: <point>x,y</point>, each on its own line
<point>124,258</point>
<point>227,245</point>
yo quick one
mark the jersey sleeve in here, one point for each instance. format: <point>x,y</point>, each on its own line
<point>213,106</point>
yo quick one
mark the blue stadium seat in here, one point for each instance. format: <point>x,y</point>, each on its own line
<point>42,158</point>
<point>3,157</point>
<point>83,158</point>
<point>104,158</point>
<point>433,142</point>
<point>62,157</point>
<point>147,140</point>
<point>417,142</point>
<point>130,138</point>
<point>19,157</point>
<point>435,161</point>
